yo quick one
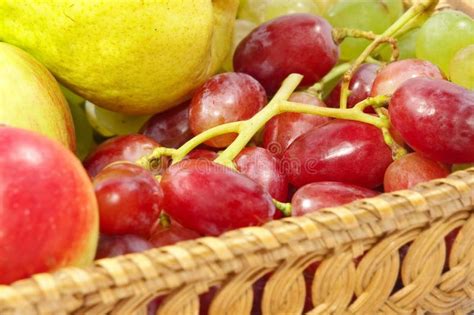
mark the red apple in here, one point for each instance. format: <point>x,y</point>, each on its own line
<point>48,211</point>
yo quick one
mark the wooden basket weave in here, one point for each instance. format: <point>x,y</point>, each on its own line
<point>378,227</point>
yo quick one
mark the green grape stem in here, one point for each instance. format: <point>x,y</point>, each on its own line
<point>285,208</point>
<point>409,17</point>
<point>318,88</point>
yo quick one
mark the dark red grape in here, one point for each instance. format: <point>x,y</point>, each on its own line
<point>129,199</point>
<point>394,74</point>
<point>203,154</point>
<point>283,129</point>
<point>117,245</point>
<point>171,128</point>
<point>122,148</point>
<point>264,168</point>
<point>315,196</point>
<point>342,151</point>
<point>410,170</point>
<point>360,86</point>
<point>296,43</point>
<point>210,198</point>
<point>435,118</point>
<point>225,98</point>
<point>163,236</point>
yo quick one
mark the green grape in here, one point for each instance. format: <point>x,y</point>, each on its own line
<point>241,29</point>
<point>108,123</point>
<point>82,128</point>
<point>324,5</point>
<point>406,46</point>
<point>259,11</point>
<point>461,68</point>
<point>367,15</point>
<point>443,35</point>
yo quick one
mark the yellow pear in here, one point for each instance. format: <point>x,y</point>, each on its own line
<point>30,97</point>
<point>129,56</point>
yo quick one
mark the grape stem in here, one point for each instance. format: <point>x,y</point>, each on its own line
<point>407,18</point>
<point>285,208</point>
<point>318,88</point>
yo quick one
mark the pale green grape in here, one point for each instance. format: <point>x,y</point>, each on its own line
<point>241,29</point>
<point>443,35</point>
<point>367,15</point>
<point>324,5</point>
<point>461,68</point>
<point>109,123</point>
<point>82,128</point>
<point>259,11</point>
<point>406,46</point>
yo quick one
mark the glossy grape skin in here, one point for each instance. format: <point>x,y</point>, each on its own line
<point>265,169</point>
<point>406,46</point>
<point>368,15</point>
<point>284,128</point>
<point>202,154</point>
<point>121,148</point>
<point>171,128</point>
<point>442,35</point>
<point>394,74</point>
<point>461,67</point>
<point>315,196</point>
<point>129,199</point>
<point>360,86</point>
<point>117,245</point>
<point>211,199</point>
<point>435,118</point>
<point>342,151</point>
<point>296,43</point>
<point>225,98</point>
<point>410,170</point>
<point>163,236</point>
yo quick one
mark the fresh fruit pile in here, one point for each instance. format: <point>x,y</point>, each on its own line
<point>319,103</point>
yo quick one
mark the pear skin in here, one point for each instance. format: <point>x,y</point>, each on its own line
<point>30,97</point>
<point>129,56</point>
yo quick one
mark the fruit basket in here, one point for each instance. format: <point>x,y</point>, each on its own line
<point>382,255</point>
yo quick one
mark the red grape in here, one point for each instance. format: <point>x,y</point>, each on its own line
<point>203,154</point>
<point>342,151</point>
<point>129,199</point>
<point>122,148</point>
<point>296,43</point>
<point>435,118</point>
<point>210,198</point>
<point>410,170</point>
<point>171,128</point>
<point>394,74</point>
<point>163,236</point>
<point>264,168</point>
<point>283,129</point>
<point>315,196</point>
<point>360,86</point>
<point>117,245</point>
<point>224,98</point>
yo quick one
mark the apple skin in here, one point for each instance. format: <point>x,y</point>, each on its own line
<point>30,97</point>
<point>48,210</point>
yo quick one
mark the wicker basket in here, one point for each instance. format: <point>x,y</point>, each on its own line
<point>426,282</point>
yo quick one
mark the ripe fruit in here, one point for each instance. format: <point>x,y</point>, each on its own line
<point>435,118</point>
<point>163,236</point>
<point>134,57</point>
<point>122,148</point>
<point>201,154</point>
<point>360,86</point>
<point>296,43</point>
<point>224,98</point>
<point>129,199</point>
<point>265,169</point>
<point>259,11</point>
<point>171,128</point>
<point>410,170</point>
<point>48,211</point>
<point>343,151</point>
<point>283,129</point>
<point>315,196</point>
<point>117,245</point>
<point>394,74</point>
<point>461,67</point>
<point>211,199</point>
<point>31,98</point>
